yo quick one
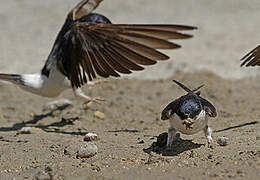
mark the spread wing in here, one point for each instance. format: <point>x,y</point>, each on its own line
<point>84,50</point>
<point>252,58</point>
<point>170,109</point>
<point>209,108</point>
<point>109,49</point>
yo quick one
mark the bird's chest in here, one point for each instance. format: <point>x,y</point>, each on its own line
<point>189,126</point>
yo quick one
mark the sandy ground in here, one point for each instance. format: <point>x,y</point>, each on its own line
<point>128,147</point>
<point>128,134</point>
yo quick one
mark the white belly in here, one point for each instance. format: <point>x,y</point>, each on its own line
<point>55,84</point>
<point>198,124</point>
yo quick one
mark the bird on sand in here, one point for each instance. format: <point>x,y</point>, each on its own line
<point>252,58</point>
<point>189,114</point>
<point>90,46</point>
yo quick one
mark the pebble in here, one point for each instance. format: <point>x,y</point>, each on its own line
<point>91,137</point>
<point>87,151</point>
<point>99,115</point>
<point>140,142</point>
<point>222,141</point>
<point>56,103</point>
<point>87,106</point>
<point>28,130</point>
<point>25,130</point>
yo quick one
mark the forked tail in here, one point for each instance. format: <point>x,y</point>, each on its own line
<point>13,78</point>
<point>186,88</point>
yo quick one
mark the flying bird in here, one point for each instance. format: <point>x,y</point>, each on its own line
<point>189,114</point>
<point>90,46</point>
<point>252,58</point>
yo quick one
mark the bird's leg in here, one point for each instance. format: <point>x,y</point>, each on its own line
<point>171,136</point>
<point>171,133</point>
<point>93,83</point>
<point>208,133</point>
<point>79,93</point>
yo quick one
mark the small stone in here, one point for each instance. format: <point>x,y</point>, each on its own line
<point>54,105</point>
<point>99,115</point>
<point>222,141</point>
<point>141,142</point>
<point>87,106</point>
<point>28,130</point>
<point>91,137</point>
<point>25,130</point>
<point>66,152</point>
<point>87,151</point>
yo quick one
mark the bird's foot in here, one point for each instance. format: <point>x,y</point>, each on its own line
<point>97,100</point>
<point>210,142</point>
<point>79,93</point>
<point>208,134</point>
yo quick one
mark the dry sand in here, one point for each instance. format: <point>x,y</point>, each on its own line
<point>127,148</point>
<point>129,130</point>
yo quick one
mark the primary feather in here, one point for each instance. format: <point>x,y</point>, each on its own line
<point>252,58</point>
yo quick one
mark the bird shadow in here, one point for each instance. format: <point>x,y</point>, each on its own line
<point>53,127</point>
<point>237,126</point>
<point>179,146</point>
<point>125,131</point>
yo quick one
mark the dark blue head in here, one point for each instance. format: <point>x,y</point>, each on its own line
<point>189,108</point>
<point>95,18</point>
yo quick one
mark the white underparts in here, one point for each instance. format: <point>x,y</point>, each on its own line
<point>189,127</point>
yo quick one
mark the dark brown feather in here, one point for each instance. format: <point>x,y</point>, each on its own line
<point>103,62</point>
<point>124,61</point>
<point>252,58</point>
<point>114,48</point>
<point>136,47</point>
<point>149,41</point>
<point>100,71</point>
<point>135,57</point>
<point>164,27</point>
<point>114,63</point>
<point>89,45</point>
<point>165,32</point>
<point>109,49</point>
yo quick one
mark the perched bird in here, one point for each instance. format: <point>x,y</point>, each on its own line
<point>252,58</point>
<point>189,114</point>
<point>89,45</point>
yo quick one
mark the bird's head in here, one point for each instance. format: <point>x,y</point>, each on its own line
<point>95,18</point>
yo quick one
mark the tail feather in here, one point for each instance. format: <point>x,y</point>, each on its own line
<point>14,78</point>
<point>182,86</point>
